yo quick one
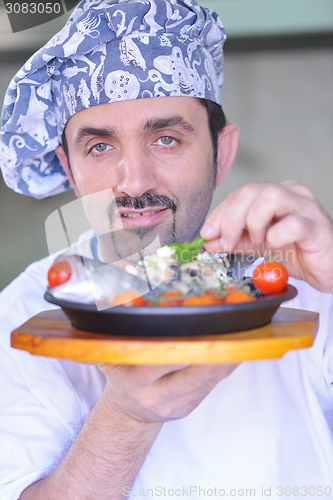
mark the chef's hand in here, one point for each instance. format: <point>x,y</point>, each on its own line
<point>160,393</point>
<point>285,216</point>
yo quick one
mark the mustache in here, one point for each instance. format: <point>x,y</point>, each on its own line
<point>140,202</point>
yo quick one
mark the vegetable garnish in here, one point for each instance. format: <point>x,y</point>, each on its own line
<point>270,277</point>
<point>60,274</point>
<point>187,251</point>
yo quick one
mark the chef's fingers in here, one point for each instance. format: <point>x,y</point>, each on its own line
<point>176,395</point>
<point>298,188</point>
<point>244,218</point>
<point>193,379</point>
<point>212,226</point>
<point>272,204</point>
<point>308,248</point>
<point>291,229</point>
<point>227,220</point>
<point>173,395</point>
<point>140,375</point>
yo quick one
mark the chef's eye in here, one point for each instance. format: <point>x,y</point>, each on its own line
<point>167,140</point>
<point>100,148</point>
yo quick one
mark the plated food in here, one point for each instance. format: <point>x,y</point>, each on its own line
<point>164,294</point>
<point>176,275</point>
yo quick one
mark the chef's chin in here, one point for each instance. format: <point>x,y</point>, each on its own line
<point>131,244</point>
<point>128,245</point>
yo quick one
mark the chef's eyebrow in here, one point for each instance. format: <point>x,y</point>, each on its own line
<point>91,131</point>
<point>150,125</point>
<point>172,121</point>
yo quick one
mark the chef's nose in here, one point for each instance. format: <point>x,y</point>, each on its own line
<point>136,170</point>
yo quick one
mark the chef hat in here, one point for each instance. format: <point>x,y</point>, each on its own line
<point>109,51</point>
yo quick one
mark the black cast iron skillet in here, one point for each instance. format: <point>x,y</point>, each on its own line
<point>173,321</point>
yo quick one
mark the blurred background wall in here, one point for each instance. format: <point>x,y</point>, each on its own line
<point>278,89</point>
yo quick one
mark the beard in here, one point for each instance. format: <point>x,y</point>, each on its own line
<point>130,244</point>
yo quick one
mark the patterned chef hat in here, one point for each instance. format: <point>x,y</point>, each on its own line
<point>109,51</point>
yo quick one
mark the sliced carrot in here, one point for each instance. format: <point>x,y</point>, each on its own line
<point>170,299</point>
<point>216,296</point>
<point>199,300</point>
<point>238,296</point>
<point>131,298</point>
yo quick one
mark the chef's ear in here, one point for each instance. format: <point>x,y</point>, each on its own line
<point>226,150</point>
<point>64,160</point>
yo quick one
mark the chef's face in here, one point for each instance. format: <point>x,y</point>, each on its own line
<point>156,156</point>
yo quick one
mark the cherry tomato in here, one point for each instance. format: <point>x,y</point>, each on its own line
<point>238,296</point>
<point>270,277</point>
<point>59,274</point>
<point>128,299</point>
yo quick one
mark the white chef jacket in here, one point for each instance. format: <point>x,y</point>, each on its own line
<point>266,430</point>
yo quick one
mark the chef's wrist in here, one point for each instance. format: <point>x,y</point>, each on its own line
<point>138,420</point>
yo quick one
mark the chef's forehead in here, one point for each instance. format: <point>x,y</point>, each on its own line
<point>140,114</point>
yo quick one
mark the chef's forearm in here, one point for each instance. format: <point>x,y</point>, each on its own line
<point>105,457</point>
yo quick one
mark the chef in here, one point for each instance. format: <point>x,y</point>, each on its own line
<point>126,98</point>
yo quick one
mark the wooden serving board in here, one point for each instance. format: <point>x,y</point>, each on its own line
<point>50,333</point>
